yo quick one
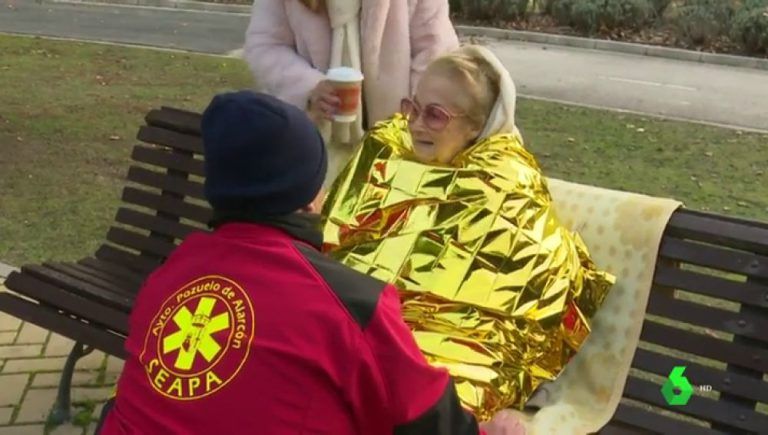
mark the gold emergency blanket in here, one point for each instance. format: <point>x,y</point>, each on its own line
<point>493,287</point>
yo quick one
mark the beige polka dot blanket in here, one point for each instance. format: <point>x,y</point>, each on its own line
<point>622,232</point>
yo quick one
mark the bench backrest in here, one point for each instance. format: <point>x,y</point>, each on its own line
<point>164,201</point>
<point>708,310</point>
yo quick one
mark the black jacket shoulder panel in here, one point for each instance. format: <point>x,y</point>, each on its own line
<point>358,292</point>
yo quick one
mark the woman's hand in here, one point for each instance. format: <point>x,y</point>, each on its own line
<point>323,101</point>
<point>504,423</point>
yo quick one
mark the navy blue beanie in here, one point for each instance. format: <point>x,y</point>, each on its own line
<point>262,155</point>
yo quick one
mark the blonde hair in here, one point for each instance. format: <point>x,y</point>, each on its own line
<point>478,77</point>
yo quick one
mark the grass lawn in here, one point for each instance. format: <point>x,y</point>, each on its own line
<point>68,120</point>
<point>66,130</point>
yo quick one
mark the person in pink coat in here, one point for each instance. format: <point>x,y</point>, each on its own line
<point>290,44</point>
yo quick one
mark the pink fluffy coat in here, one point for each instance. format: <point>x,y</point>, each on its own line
<point>288,48</point>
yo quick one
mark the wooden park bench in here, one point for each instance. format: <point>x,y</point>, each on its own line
<point>718,260</point>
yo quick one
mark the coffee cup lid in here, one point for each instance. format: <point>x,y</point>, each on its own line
<point>344,74</point>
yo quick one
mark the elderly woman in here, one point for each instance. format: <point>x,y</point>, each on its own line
<point>444,201</point>
<point>291,44</point>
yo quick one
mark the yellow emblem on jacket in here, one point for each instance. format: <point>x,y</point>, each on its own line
<point>199,339</point>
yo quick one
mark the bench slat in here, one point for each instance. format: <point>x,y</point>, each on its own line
<point>711,229</point>
<point>71,270</point>
<point>129,286</point>
<point>698,407</point>
<point>721,288</point>
<point>708,347</point>
<point>109,297</point>
<point>758,376</point>
<point>715,257</point>
<point>175,119</point>
<point>156,224</point>
<point>114,255</point>
<point>50,319</point>
<point>615,427</point>
<point>170,138</point>
<point>172,206</point>
<point>63,299</point>
<point>720,380</point>
<point>724,218</point>
<point>166,182</point>
<point>113,280</point>
<point>658,423</point>
<point>129,276</point>
<point>168,160</point>
<point>663,305</point>
<point>139,242</point>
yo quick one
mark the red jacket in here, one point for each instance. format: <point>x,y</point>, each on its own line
<point>250,330</point>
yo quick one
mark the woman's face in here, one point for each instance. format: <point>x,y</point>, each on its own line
<point>438,119</point>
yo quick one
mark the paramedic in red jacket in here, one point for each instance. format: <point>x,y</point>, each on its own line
<point>250,330</point>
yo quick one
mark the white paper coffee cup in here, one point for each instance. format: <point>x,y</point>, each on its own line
<point>347,83</point>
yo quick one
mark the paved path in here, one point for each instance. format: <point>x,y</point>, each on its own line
<point>677,89</point>
<point>31,360</point>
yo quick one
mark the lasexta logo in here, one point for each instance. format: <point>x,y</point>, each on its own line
<point>677,390</point>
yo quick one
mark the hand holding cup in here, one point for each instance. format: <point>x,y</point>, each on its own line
<point>323,102</point>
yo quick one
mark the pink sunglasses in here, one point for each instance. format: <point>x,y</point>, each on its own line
<point>435,117</point>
